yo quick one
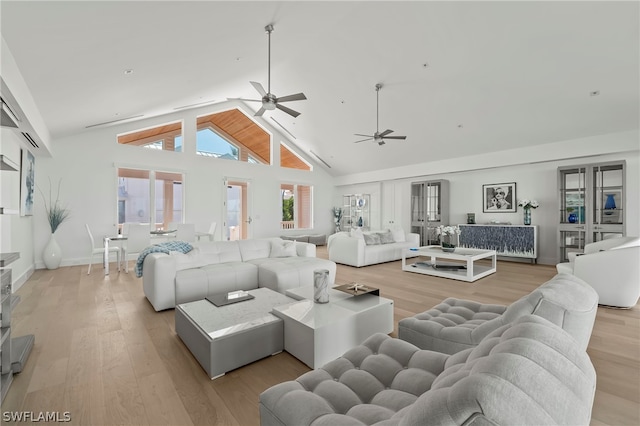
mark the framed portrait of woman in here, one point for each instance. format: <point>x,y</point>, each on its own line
<point>499,198</point>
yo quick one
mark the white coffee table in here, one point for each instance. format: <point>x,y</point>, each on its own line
<point>461,256</point>
<point>317,333</point>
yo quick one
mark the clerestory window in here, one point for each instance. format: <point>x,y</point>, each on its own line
<point>167,137</point>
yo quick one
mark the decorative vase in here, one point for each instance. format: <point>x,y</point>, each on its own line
<point>360,222</point>
<point>610,204</point>
<point>527,216</point>
<point>321,285</point>
<point>52,254</point>
<point>447,244</point>
<point>573,218</point>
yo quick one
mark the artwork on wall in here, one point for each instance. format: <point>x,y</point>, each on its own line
<point>27,182</point>
<point>499,197</point>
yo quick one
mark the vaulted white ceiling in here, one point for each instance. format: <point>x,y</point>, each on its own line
<point>459,78</point>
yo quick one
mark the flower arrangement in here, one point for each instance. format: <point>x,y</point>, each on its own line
<point>337,215</point>
<point>56,214</point>
<point>528,204</point>
<point>448,230</point>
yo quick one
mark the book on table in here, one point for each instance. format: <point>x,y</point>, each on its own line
<point>222,299</point>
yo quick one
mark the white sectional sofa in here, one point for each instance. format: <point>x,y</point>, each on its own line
<point>357,248</point>
<point>224,266</point>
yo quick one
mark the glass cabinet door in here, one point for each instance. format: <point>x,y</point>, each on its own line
<point>591,205</point>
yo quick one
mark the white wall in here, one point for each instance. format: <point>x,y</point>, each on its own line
<point>87,165</point>
<point>534,181</point>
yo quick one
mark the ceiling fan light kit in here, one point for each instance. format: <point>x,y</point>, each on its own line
<point>269,100</point>
<point>379,137</point>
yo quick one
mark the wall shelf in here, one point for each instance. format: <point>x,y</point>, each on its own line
<point>13,351</point>
<point>7,164</point>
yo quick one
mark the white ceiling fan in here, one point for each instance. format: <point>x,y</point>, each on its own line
<point>379,137</point>
<point>269,100</point>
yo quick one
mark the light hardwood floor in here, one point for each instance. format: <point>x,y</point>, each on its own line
<point>104,355</point>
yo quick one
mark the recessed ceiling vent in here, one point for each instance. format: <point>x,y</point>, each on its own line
<point>29,139</point>
<point>9,119</point>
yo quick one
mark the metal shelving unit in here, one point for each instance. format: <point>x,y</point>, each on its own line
<point>356,211</point>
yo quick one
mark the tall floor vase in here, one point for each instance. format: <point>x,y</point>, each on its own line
<point>52,254</point>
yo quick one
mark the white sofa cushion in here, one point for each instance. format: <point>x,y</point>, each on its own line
<point>372,239</point>
<point>387,237</point>
<point>218,252</point>
<point>198,283</point>
<point>292,272</point>
<point>283,249</point>
<point>398,235</point>
<point>255,249</point>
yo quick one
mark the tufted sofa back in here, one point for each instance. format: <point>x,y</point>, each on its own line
<point>565,301</point>
<point>527,372</point>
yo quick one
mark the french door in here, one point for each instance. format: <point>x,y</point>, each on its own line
<point>237,209</point>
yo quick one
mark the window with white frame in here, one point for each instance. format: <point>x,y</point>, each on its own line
<point>149,196</point>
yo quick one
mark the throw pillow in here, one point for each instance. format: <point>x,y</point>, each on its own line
<point>386,237</point>
<point>283,249</point>
<point>398,235</point>
<point>356,233</point>
<point>371,239</point>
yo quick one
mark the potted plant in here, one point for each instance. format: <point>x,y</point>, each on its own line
<point>447,240</point>
<point>56,215</point>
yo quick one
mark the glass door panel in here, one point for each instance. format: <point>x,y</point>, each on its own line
<point>572,195</point>
<point>134,195</point>
<point>608,205</point>
<point>168,199</point>
<point>571,242</point>
<point>238,218</point>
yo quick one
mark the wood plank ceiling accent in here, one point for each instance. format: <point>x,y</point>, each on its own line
<point>235,125</point>
<point>291,160</point>
<point>151,135</point>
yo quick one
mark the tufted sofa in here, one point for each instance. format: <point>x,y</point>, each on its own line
<point>357,248</point>
<point>223,266</point>
<point>530,372</point>
<point>456,324</point>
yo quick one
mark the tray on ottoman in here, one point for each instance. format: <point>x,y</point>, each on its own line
<point>356,289</point>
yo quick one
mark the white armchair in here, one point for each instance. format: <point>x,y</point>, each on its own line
<point>612,268</point>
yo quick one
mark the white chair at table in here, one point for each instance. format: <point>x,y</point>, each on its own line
<point>186,232</point>
<point>138,238</point>
<point>100,250</point>
<point>209,234</point>
<point>212,230</point>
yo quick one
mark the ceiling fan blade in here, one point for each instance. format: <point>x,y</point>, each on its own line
<point>366,136</point>
<point>364,140</point>
<point>259,112</point>
<point>395,137</point>
<point>259,88</point>
<point>289,111</point>
<point>386,132</point>
<point>296,97</point>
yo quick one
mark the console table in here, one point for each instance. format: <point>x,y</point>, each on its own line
<point>507,240</point>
